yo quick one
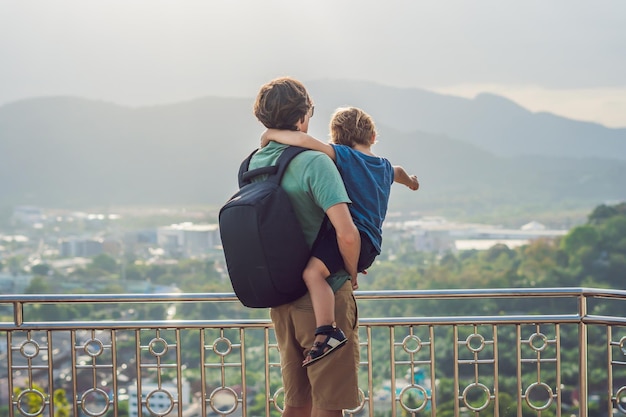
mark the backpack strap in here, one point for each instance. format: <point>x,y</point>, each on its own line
<point>275,172</point>
<point>284,159</point>
<point>243,169</point>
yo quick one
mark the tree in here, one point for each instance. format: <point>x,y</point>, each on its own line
<point>104,263</point>
<point>578,238</point>
<point>40,269</point>
<point>603,212</point>
<point>33,403</point>
<point>38,285</point>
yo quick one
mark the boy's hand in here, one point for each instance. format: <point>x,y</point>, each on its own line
<point>265,138</point>
<point>269,135</point>
<point>414,184</point>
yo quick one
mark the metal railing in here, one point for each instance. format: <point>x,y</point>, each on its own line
<point>567,359</point>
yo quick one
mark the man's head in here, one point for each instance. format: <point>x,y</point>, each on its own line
<point>351,126</point>
<point>283,103</point>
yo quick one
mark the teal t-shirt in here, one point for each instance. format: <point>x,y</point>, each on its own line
<point>313,185</point>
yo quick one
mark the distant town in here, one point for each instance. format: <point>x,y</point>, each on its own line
<point>53,242</point>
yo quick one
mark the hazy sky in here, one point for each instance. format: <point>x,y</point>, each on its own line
<point>564,56</point>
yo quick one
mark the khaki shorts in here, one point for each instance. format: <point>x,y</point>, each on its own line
<point>331,383</point>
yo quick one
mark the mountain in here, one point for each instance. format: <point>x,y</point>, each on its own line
<point>488,121</point>
<point>73,152</point>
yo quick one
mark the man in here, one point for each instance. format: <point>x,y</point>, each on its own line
<point>315,188</point>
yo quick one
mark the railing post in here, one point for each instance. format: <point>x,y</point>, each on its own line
<point>18,313</point>
<point>582,343</point>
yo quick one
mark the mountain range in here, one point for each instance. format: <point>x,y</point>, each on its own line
<point>474,157</point>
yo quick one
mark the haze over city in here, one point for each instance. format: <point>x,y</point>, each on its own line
<point>565,57</point>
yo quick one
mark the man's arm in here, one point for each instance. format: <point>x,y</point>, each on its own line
<point>400,176</point>
<point>297,138</point>
<point>348,238</point>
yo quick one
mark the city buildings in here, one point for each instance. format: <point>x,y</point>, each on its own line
<point>63,244</point>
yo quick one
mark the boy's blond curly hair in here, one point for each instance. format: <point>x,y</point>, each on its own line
<point>351,126</point>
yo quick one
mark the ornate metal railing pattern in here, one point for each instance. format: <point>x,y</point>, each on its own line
<point>143,367</point>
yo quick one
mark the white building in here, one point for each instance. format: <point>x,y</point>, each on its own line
<point>485,238</point>
<point>436,234</point>
<point>188,239</point>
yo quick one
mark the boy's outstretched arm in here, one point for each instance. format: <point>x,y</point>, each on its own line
<point>400,176</point>
<point>297,138</point>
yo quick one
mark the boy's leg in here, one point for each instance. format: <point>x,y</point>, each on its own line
<point>327,336</point>
<point>322,296</point>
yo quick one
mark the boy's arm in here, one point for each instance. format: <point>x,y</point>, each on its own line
<point>400,176</point>
<point>297,138</point>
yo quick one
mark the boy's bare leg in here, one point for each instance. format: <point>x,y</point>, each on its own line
<point>322,296</point>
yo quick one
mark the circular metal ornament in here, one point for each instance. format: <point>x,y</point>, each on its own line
<point>361,405</point>
<point>167,410</point>
<point>405,393</point>
<point>29,349</point>
<point>158,346</point>
<point>91,395</point>
<point>408,341</point>
<point>619,396</point>
<point>622,345</point>
<point>222,341</point>
<point>228,391</point>
<point>535,386</point>
<point>275,397</point>
<point>93,348</point>
<point>482,388</point>
<point>472,338</point>
<point>538,342</point>
<point>23,395</point>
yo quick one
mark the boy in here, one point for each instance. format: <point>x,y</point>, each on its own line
<point>368,180</point>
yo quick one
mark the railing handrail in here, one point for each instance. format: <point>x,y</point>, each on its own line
<point>535,339</point>
<point>363,295</point>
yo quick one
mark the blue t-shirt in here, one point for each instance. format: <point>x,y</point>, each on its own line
<point>368,180</point>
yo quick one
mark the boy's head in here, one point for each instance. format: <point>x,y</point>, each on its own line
<point>351,126</point>
<point>283,103</point>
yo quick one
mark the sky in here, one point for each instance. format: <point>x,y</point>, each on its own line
<point>567,57</point>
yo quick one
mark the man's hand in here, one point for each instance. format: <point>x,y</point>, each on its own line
<point>355,284</point>
<point>348,237</point>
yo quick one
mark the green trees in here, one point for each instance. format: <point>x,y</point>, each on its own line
<point>32,401</point>
<point>593,254</point>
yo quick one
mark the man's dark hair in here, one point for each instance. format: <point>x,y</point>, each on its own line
<point>281,103</point>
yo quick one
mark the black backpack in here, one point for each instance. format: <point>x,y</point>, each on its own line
<point>264,246</point>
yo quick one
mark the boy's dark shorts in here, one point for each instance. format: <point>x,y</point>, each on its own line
<point>326,249</point>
